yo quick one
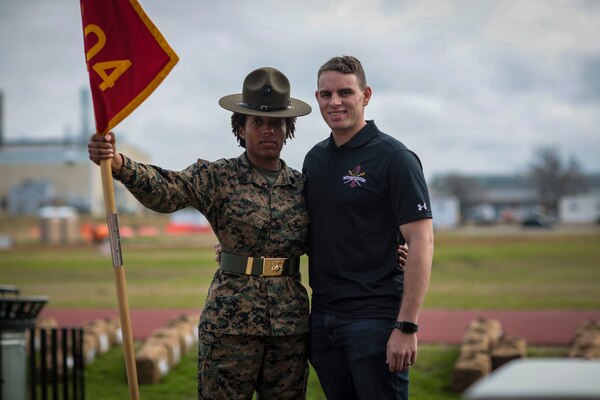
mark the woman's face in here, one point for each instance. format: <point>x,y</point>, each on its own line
<point>265,137</point>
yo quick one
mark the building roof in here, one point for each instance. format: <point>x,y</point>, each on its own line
<point>46,154</point>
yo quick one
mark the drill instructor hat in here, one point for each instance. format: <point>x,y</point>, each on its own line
<point>266,92</point>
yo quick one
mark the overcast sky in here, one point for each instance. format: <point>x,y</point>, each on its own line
<point>471,86</point>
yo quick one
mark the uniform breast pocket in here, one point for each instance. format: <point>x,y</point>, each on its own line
<point>297,222</point>
<point>245,224</point>
<point>297,217</point>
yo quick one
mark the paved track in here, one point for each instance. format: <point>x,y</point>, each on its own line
<point>555,328</point>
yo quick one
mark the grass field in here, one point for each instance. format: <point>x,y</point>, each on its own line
<point>487,268</point>
<point>514,270</point>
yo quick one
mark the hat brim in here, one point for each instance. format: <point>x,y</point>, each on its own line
<point>298,107</point>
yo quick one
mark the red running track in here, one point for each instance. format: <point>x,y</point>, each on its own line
<point>554,328</point>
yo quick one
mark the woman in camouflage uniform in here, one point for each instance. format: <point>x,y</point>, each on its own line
<point>253,329</point>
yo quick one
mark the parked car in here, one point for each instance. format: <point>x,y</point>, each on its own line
<point>538,221</point>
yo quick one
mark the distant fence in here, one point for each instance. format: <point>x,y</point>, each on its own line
<point>56,364</point>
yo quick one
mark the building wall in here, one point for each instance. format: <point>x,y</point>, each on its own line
<point>27,198</point>
<point>68,180</point>
<point>74,179</point>
<point>580,209</point>
<point>446,212</point>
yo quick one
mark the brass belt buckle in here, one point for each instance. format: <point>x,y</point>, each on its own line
<point>272,266</point>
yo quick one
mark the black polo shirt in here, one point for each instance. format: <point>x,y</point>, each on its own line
<point>358,195</point>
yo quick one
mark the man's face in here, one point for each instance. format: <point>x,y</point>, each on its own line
<point>342,102</point>
<point>264,137</point>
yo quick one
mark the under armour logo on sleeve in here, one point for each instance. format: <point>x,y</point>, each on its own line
<point>422,207</point>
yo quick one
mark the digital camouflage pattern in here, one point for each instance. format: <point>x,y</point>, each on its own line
<point>233,367</point>
<point>250,218</point>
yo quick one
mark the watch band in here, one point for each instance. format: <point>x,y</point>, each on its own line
<point>406,327</point>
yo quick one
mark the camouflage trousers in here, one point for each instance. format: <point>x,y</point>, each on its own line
<point>234,367</point>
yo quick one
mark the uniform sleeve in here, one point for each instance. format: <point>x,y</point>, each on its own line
<point>407,188</point>
<point>167,191</point>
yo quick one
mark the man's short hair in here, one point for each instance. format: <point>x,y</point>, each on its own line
<point>239,120</point>
<point>345,65</point>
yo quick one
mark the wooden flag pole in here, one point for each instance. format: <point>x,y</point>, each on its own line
<point>121,287</point>
<point>127,58</point>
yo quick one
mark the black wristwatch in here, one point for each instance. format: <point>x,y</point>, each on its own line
<point>406,327</point>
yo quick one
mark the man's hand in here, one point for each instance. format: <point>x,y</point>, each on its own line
<point>402,254</point>
<point>401,350</point>
<point>217,247</point>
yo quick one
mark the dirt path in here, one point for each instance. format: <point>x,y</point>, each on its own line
<point>555,328</point>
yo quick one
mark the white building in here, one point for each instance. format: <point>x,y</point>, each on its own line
<point>446,212</point>
<point>580,209</point>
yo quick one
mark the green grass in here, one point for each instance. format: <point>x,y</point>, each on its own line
<point>179,383</point>
<point>430,377</point>
<point>545,271</point>
<point>541,271</point>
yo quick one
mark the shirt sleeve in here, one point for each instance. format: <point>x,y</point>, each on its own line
<point>163,190</point>
<point>407,188</point>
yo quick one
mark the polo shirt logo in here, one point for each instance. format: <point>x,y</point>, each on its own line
<point>422,207</point>
<point>355,177</point>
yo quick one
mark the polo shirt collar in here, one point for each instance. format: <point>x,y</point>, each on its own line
<point>247,174</point>
<point>363,136</point>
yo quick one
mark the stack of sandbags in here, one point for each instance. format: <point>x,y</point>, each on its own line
<point>468,369</point>
<point>152,363</point>
<point>187,325</point>
<point>90,348</point>
<point>171,340</point>
<point>115,334</point>
<point>164,348</point>
<point>99,336</point>
<point>42,323</point>
<point>95,340</point>
<point>46,324</point>
<point>586,342</point>
<point>506,349</point>
<point>474,361</point>
<point>486,328</point>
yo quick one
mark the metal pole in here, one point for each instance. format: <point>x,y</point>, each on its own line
<point>32,364</point>
<point>54,361</point>
<point>44,363</point>
<point>80,362</point>
<point>65,364</point>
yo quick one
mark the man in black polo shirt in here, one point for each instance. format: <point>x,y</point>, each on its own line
<point>366,194</point>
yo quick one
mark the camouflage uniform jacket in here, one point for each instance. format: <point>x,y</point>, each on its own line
<point>250,218</point>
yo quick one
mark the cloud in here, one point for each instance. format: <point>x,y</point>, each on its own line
<point>471,86</point>
<point>545,28</point>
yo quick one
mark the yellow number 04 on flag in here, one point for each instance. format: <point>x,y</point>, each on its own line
<point>118,67</point>
<point>126,55</point>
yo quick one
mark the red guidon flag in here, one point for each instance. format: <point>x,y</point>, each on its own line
<point>126,56</point>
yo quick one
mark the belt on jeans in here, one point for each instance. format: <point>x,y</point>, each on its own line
<point>259,266</point>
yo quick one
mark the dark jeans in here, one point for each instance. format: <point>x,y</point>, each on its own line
<point>349,358</point>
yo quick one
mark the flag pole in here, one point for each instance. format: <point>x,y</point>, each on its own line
<point>121,45</point>
<point>120,284</point>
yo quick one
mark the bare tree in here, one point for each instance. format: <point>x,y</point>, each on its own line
<point>554,178</point>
